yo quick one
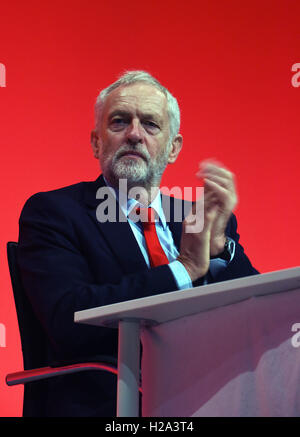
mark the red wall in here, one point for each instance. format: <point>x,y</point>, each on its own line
<point>228,62</point>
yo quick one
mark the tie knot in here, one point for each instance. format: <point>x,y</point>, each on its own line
<point>147,215</point>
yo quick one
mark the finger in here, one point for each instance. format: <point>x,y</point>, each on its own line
<point>208,190</point>
<point>210,196</point>
<point>220,191</point>
<point>201,216</point>
<point>211,161</point>
<point>206,168</point>
<point>215,171</point>
<point>209,217</point>
<point>222,181</point>
<point>213,204</point>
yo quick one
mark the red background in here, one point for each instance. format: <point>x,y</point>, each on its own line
<point>228,62</point>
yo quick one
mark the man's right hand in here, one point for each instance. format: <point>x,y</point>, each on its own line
<point>195,246</point>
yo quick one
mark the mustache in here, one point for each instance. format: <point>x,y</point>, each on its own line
<point>137,150</point>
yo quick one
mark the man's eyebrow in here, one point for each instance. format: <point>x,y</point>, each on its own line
<point>124,113</point>
<point>151,116</point>
<point>118,112</point>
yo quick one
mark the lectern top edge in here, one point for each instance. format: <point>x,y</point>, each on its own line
<point>267,283</point>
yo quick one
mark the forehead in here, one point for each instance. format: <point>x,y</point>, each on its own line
<point>137,98</point>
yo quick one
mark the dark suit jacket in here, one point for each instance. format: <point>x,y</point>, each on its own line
<point>70,262</point>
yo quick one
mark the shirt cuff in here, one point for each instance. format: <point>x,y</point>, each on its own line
<point>181,275</point>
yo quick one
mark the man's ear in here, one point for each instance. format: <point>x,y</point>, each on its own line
<point>175,148</point>
<point>95,142</point>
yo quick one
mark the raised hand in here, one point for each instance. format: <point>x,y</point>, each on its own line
<point>220,190</point>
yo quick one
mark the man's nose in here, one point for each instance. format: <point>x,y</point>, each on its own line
<point>134,133</point>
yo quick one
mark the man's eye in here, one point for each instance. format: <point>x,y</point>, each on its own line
<point>118,121</point>
<point>151,125</point>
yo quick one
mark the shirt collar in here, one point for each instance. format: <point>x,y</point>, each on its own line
<point>127,204</point>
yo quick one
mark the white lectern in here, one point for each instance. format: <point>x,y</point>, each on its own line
<point>208,350</point>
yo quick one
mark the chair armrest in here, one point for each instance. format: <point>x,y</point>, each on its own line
<point>26,376</point>
<point>48,372</point>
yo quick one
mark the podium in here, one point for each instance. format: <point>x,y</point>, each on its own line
<point>223,349</point>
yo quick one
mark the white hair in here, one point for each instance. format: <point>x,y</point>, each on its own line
<point>130,77</point>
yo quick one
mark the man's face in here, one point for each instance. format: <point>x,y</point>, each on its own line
<point>133,139</point>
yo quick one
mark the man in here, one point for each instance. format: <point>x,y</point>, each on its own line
<point>71,259</point>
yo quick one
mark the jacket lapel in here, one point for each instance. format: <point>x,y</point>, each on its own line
<point>117,233</point>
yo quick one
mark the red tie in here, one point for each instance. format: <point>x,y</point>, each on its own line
<point>156,253</point>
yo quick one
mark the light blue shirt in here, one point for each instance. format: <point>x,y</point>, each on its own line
<point>165,237</point>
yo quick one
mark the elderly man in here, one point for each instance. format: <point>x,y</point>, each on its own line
<point>72,259</point>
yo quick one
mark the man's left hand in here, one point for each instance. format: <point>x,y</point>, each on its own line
<point>219,188</point>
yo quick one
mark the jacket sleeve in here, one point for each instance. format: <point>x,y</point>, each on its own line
<point>240,265</point>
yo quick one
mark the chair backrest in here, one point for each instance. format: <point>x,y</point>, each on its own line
<point>32,337</point>
<point>33,340</point>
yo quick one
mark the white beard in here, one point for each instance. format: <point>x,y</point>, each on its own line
<point>134,170</point>
<point>137,171</point>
